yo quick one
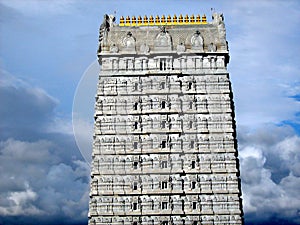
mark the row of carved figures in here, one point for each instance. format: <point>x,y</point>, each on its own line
<point>167,220</point>
<point>133,21</point>
<point>146,184</point>
<point>163,205</point>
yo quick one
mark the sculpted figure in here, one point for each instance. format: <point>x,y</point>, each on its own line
<point>197,41</point>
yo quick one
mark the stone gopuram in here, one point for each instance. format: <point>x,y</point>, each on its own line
<point>164,150</point>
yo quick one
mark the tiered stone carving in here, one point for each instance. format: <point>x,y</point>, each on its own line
<point>164,147</point>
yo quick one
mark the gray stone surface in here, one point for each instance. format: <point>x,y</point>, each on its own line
<point>164,147</point>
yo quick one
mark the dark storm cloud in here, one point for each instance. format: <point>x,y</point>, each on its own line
<point>270,165</point>
<point>25,110</point>
<point>42,179</point>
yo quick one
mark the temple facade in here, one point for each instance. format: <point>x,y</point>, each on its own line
<point>165,149</point>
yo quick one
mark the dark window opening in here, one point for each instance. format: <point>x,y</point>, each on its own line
<point>164,164</point>
<point>135,184</point>
<point>163,104</point>
<point>135,165</point>
<point>191,124</point>
<point>162,65</point>
<point>162,85</point>
<point>193,184</point>
<point>135,125</point>
<point>195,223</point>
<point>135,145</point>
<point>164,185</point>
<point>163,124</point>
<point>191,105</point>
<point>165,223</point>
<point>164,205</point>
<point>190,85</point>
<point>134,207</point>
<point>192,144</point>
<point>136,86</point>
<point>163,144</point>
<point>135,106</point>
<point>193,164</point>
<point>194,205</point>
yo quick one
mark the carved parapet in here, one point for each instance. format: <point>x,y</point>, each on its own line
<point>162,35</point>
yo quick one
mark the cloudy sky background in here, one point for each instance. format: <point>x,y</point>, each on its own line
<point>48,51</point>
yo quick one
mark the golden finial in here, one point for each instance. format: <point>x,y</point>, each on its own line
<point>145,20</point>
<point>139,20</point>
<point>151,20</point>
<point>127,20</point>
<point>169,19</point>
<point>163,19</point>
<point>122,21</point>
<point>186,19</point>
<point>174,19</point>
<point>204,19</point>
<point>157,19</point>
<point>133,21</point>
<point>192,19</point>
<point>198,19</point>
<point>180,20</point>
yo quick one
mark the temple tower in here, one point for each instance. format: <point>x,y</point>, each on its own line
<point>164,147</point>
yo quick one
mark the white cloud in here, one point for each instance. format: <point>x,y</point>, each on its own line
<point>23,204</point>
<point>269,173</point>
<point>264,68</point>
<point>44,187</point>
<point>41,176</point>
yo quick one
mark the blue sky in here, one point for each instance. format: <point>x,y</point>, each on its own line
<point>47,63</point>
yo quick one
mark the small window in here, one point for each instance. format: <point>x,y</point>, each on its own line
<point>191,124</point>
<point>135,165</point>
<point>192,144</point>
<point>165,223</point>
<point>195,223</point>
<point>193,164</point>
<point>164,205</point>
<point>164,185</point>
<point>191,105</point>
<point>135,107</point>
<point>162,85</point>
<point>135,206</point>
<point>135,185</point>
<point>135,145</point>
<point>134,223</point>
<point>163,104</point>
<point>163,124</point>
<point>162,65</point>
<point>136,125</point>
<point>163,144</point>
<point>164,164</point>
<point>194,205</point>
<point>190,85</point>
<point>193,186</point>
<point>136,86</point>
